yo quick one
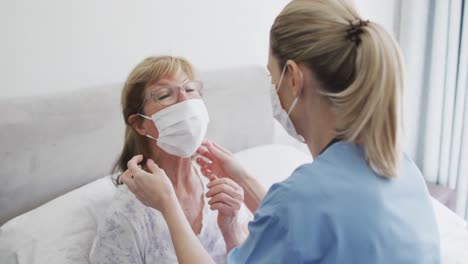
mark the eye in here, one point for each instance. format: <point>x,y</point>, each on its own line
<point>162,97</point>
<point>162,94</point>
<point>192,87</point>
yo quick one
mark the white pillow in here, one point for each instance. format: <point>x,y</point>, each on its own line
<point>60,231</point>
<point>272,163</point>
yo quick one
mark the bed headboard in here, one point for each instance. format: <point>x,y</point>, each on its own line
<point>53,144</point>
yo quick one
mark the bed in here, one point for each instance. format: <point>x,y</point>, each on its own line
<point>58,150</point>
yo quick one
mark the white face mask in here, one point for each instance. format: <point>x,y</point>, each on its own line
<point>182,127</point>
<point>280,114</point>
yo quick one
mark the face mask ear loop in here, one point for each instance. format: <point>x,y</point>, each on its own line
<point>293,105</point>
<point>281,78</point>
<point>149,136</point>
<point>145,117</point>
<point>149,118</point>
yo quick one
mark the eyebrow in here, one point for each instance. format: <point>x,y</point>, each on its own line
<point>160,86</point>
<point>165,83</point>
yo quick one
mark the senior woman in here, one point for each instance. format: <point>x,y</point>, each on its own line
<point>166,121</point>
<point>339,84</point>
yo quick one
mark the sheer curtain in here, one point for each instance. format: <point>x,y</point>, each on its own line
<point>434,38</point>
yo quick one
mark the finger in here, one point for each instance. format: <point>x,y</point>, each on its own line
<point>223,188</point>
<point>206,172</point>
<point>222,208</point>
<point>223,198</point>
<point>217,182</point>
<point>206,165</point>
<point>224,181</point>
<point>205,154</point>
<point>127,180</point>
<point>216,152</point>
<point>202,161</point>
<point>205,143</point>
<point>133,163</point>
<point>212,177</point>
<point>152,166</point>
<point>123,175</point>
<point>127,174</point>
<point>202,146</point>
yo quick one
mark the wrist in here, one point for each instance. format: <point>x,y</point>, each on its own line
<point>233,235</point>
<point>243,181</point>
<point>169,204</point>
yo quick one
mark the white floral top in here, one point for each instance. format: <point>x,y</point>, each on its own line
<point>133,233</point>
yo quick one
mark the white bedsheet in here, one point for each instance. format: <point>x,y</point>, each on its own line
<point>62,230</point>
<point>453,235</point>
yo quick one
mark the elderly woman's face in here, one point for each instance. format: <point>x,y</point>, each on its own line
<point>167,92</point>
<point>164,93</point>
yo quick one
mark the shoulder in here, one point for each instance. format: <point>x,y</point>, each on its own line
<point>318,186</point>
<point>125,203</point>
<point>127,210</point>
<point>293,197</point>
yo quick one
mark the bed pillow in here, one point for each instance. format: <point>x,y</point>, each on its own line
<point>60,231</point>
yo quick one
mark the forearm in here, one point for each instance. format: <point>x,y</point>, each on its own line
<point>187,246</point>
<point>254,192</point>
<point>234,236</point>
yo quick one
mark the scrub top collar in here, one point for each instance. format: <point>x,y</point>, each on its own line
<point>333,141</point>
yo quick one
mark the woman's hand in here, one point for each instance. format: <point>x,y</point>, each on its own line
<point>227,197</point>
<point>152,189</point>
<point>221,162</point>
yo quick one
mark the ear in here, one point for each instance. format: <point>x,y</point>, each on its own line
<point>296,82</point>
<point>137,123</point>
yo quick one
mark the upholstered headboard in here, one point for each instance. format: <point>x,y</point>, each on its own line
<point>53,144</point>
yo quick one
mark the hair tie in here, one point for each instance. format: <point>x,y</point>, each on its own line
<point>354,33</point>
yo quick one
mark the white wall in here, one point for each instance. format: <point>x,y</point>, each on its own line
<point>385,12</point>
<point>55,45</point>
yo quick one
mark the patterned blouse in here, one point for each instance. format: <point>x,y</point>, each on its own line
<point>135,234</point>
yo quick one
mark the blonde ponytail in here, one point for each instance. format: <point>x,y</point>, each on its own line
<point>362,75</point>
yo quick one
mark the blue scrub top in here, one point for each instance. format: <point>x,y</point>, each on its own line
<point>337,210</point>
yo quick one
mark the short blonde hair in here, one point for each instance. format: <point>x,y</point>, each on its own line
<point>362,78</point>
<point>145,73</point>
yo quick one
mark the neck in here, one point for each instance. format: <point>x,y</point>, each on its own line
<point>316,143</point>
<point>321,132</point>
<point>179,170</point>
